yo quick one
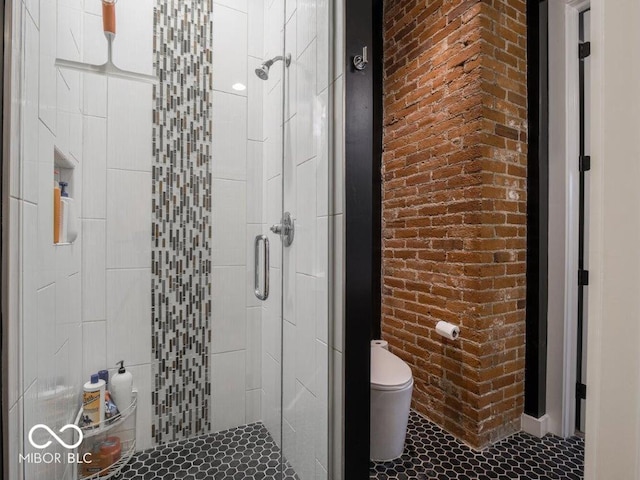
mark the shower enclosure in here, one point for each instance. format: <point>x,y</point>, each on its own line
<point>207,212</point>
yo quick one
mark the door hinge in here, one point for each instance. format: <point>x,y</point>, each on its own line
<point>581,391</point>
<point>585,163</point>
<point>584,50</point>
<point>583,277</point>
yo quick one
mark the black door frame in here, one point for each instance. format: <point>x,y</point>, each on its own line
<point>363,235</point>
<point>537,209</point>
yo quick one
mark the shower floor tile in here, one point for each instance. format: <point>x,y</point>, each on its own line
<point>246,452</point>
<point>430,453</point>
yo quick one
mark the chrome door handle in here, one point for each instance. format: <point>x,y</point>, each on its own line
<point>265,267</point>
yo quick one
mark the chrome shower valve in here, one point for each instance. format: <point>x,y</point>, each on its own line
<point>286,229</point>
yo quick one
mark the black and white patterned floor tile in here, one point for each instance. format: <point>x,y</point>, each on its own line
<point>432,454</point>
<point>246,452</point>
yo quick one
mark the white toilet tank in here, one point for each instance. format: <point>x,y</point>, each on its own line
<point>391,389</point>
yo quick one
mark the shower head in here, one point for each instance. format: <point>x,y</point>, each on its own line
<point>263,70</point>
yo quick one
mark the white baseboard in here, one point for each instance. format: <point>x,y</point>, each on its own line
<point>537,427</point>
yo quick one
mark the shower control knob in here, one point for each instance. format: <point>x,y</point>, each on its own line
<point>286,229</point>
<point>277,229</point>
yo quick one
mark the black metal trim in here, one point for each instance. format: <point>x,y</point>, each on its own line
<point>363,143</point>
<point>585,163</point>
<point>583,275</point>
<point>584,50</point>
<point>581,391</point>
<point>4,221</point>
<point>378,120</point>
<point>583,278</point>
<point>537,210</point>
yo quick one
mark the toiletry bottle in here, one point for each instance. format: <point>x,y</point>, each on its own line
<point>104,454</point>
<point>68,228</point>
<point>64,212</point>
<point>122,387</point>
<point>93,402</point>
<point>110,409</point>
<point>112,449</point>
<point>99,464</point>
<point>57,204</point>
<point>70,216</point>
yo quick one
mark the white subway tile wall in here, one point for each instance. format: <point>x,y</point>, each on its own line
<point>64,318</point>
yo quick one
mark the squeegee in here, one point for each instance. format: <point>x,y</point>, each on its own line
<point>109,68</point>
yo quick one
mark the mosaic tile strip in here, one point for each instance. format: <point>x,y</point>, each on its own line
<point>431,453</point>
<point>181,250</point>
<point>243,453</point>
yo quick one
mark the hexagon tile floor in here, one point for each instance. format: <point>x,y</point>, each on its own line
<point>249,453</point>
<point>432,454</point>
<point>246,452</point>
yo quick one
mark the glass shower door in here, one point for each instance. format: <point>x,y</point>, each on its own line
<point>297,211</point>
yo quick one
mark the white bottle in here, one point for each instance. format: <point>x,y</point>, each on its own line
<point>93,402</point>
<point>122,388</point>
<point>68,229</point>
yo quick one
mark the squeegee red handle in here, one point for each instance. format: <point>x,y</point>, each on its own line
<point>109,16</point>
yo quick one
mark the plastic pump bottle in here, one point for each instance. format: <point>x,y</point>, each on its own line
<point>122,388</point>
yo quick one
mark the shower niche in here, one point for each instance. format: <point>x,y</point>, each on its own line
<point>65,209</point>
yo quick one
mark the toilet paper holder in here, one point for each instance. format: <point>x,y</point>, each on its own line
<point>448,330</point>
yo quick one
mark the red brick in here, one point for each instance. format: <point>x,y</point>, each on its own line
<point>454,207</point>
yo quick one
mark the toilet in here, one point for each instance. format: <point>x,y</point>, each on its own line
<point>391,389</point>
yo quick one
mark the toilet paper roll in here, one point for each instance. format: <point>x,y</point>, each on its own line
<point>447,330</point>
<point>380,343</point>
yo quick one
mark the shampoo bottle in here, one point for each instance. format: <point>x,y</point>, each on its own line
<point>110,409</point>
<point>68,228</point>
<point>122,388</point>
<point>93,402</point>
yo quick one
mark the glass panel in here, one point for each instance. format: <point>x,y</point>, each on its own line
<point>267,75</point>
<point>309,93</point>
<point>152,169</point>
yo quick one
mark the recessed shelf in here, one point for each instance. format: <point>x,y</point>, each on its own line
<point>65,208</point>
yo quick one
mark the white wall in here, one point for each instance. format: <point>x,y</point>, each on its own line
<point>613,376</point>
<point>237,186</point>
<point>46,279</point>
<point>82,307</point>
<point>557,217</point>
<point>116,218</point>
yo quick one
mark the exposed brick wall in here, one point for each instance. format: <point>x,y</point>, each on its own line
<point>454,210</point>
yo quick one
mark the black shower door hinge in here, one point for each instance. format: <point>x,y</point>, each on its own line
<point>583,277</point>
<point>585,163</point>
<point>584,50</point>
<point>581,391</point>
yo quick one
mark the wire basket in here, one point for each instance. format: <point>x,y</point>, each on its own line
<point>122,429</point>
